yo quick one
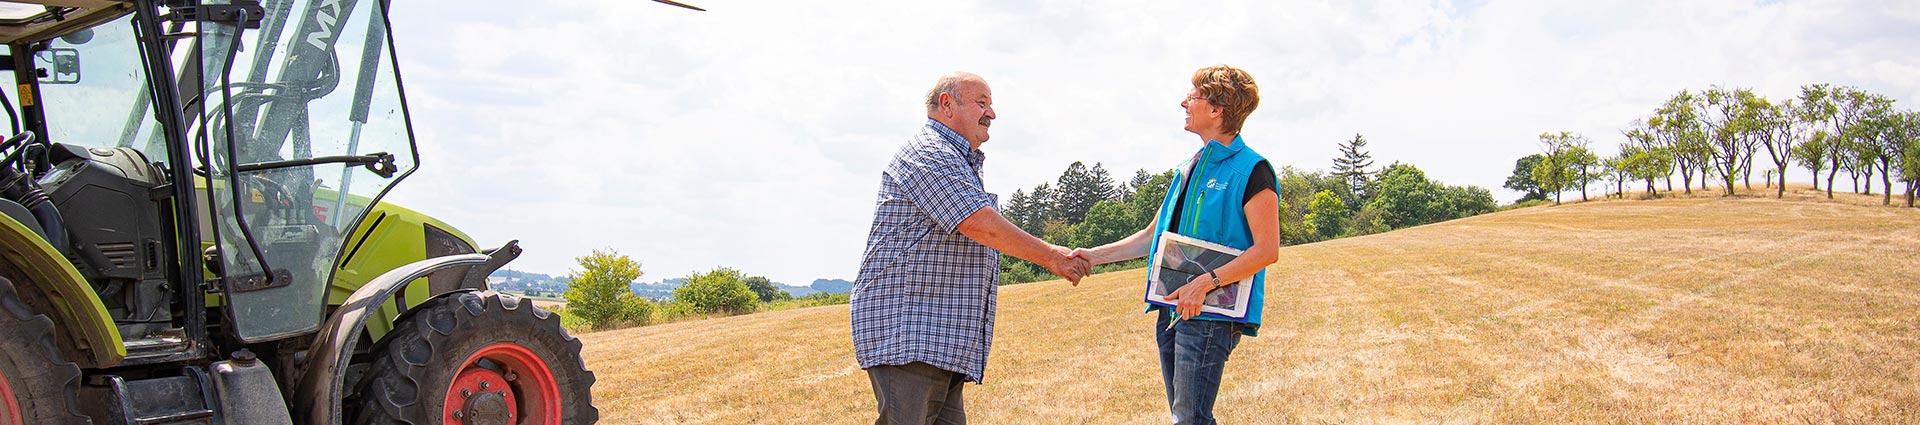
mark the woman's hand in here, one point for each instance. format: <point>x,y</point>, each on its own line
<point>1191,296</point>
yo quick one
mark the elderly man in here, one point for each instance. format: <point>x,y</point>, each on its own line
<point>923,304</point>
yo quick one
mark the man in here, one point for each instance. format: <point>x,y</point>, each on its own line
<point>923,304</point>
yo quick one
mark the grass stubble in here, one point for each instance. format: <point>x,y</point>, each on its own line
<point>1673,310</point>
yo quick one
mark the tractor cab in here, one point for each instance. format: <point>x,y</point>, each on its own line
<point>290,128</point>
<point>190,196</point>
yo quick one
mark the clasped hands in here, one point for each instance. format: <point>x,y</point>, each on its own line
<point>1068,263</point>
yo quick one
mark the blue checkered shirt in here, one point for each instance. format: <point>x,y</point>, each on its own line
<point>927,293</point>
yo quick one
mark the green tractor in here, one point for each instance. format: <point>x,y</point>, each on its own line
<point>191,231</point>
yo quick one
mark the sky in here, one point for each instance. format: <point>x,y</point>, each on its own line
<point>752,135</point>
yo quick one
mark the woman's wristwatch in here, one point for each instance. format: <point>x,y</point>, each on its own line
<point>1216,279</point>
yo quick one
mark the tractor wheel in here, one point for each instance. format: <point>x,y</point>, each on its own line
<point>36,382</point>
<point>476,358</point>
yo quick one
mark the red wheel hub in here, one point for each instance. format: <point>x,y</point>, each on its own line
<point>12,415</point>
<point>502,383</point>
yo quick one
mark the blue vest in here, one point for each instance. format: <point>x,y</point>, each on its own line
<point>1214,210</point>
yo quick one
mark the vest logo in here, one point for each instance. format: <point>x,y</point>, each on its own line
<point>1215,184</point>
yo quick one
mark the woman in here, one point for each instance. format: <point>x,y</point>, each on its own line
<point>1226,195</point>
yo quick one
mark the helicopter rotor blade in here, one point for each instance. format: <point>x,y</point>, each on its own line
<point>675,3</point>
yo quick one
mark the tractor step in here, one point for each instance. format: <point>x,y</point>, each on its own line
<point>168,400</point>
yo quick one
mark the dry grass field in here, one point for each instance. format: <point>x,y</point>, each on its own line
<point>1677,310</point>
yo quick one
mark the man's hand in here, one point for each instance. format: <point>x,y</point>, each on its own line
<point>1190,296</point>
<point>1064,264</point>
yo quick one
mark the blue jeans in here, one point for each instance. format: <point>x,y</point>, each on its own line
<point>1192,356</point>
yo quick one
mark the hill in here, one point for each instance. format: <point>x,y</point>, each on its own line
<point>1677,310</point>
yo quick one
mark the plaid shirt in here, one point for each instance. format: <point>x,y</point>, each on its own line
<point>927,293</point>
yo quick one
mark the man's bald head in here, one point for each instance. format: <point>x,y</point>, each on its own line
<point>949,85</point>
<point>963,102</point>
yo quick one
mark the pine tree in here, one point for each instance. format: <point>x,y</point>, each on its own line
<point>1078,189</point>
<point>1132,188</point>
<point>1352,165</point>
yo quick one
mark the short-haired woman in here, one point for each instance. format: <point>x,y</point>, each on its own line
<point>1226,195</point>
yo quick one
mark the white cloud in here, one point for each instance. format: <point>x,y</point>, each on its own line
<point>751,135</point>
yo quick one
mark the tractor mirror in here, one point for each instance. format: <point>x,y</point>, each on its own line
<point>62,65</point>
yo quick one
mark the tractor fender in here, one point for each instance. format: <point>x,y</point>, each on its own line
<point>323,384</point>
<point>78,313</point>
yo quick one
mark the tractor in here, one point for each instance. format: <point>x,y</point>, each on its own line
<point>192,232</point>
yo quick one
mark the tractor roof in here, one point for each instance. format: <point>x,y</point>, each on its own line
<point>36,20</point>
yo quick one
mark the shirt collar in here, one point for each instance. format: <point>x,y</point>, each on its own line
<point>960,144</point>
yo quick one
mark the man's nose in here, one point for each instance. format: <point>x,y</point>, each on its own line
<point>991,115</point>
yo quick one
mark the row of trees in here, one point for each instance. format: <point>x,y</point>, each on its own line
<point>1085,207</point>
<point>1717,133</point>
<point>600,295</point>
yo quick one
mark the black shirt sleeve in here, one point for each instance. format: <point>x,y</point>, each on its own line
<point>1261,179</point>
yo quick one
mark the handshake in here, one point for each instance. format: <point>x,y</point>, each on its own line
<point>1072,264</point>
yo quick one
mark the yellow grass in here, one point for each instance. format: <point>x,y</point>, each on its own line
<point>1673,310</point>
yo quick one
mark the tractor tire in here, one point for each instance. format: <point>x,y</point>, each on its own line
<point>39,384</point>
<point>473,358</point>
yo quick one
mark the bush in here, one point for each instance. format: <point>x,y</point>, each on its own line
<point>1524,204</point>
<point>599,295</point>
<point>765,290</point>
<point>826,298</point>
<point>721,291</point>
<point>1014,270</point>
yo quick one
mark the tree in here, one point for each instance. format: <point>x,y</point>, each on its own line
<point>599,293</point>
<point>1297,189</point>
<point>1884,135</point>
<point>1522,179</point>
<point>1078,189</point>
<point>1367,221</point>
<point>1841,109</point>
<point>1563,163</point>
<point>720,291</point>
<point>1910,155</point>
<point>1677,125</point>
<point>1106,222</point>
<point>765,291</point>
<point>1581,163</point>
<point>1326,214</point>
<point>1651,159</point>
<point>1880,141</point>
<point>1813,155</point>
<point>1782,124</point>
<point>1023,211</point>
<point>1405,197</point>
<point>1465,201</point>
<point>1728,127</point>
<point>1619,168</point>
<point>1352,165</point>
<point>1648,159</point>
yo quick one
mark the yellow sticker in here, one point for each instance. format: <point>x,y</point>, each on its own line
<point>257,198</point>
<point>26,95</point>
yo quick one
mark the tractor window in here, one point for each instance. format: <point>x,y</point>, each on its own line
<point>315,81</point>
<point>96,92</point>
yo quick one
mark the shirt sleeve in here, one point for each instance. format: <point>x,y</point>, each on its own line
<point>941,185</point>
<point>1260,179</point>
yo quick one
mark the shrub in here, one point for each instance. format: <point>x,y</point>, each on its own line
<point>721,291</point>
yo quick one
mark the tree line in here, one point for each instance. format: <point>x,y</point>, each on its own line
<point>1086,207</point>
<point>599,295</point>
<point>1716,133</point>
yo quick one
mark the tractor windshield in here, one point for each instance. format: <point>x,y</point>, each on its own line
<point>304,128</point>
